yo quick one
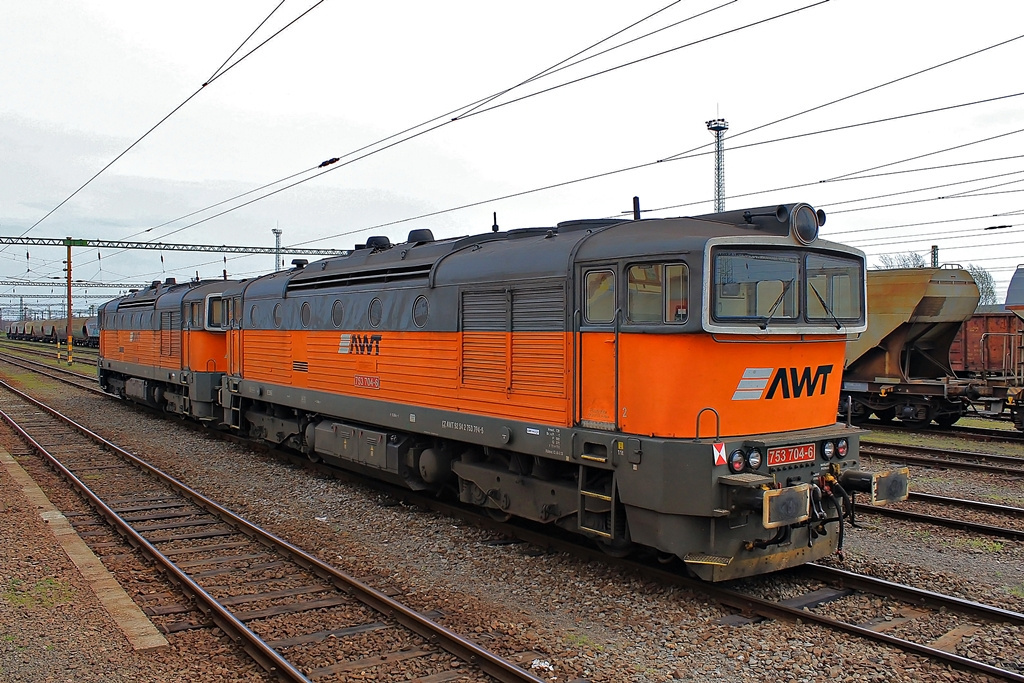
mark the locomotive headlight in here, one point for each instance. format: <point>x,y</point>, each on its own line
<point>737,461</point>
<point>843,447</point>
<point>828,449</point>
<point>754,458</point>
<point>805,224</point>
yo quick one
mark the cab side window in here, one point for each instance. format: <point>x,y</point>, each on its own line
<point>600,291</point>
<point>657,293</point>
<point>677,283</point>
<point>215,314</point>
<point>644,293</point>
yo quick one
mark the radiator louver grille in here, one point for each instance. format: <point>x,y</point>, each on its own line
<point>362,277</point>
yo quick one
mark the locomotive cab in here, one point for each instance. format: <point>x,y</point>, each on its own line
<point>738,395</point>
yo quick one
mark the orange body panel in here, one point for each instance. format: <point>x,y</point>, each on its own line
<point>142,347</point>
<point>665,381</point>
<point>205,351</point>
<point>234,351</point>
<point>523,376</point>
<point>597,378</point>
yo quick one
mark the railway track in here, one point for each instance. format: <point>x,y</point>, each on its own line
<point>907,607</point>
<point>928,508</point>
<point>64,375</point>
<point>295,615</point>
<point>972,433</point>
<point>859,605</point>
<point>942,458</point>
<point>81,354</point>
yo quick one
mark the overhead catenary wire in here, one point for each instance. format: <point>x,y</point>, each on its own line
<point>219,72</point>
<point>748,145</point>
<point>682,155</point>
<point>439,121</point>
<point>492,200</point>
<point>844,98</point>
<point>818,183</point>
<point>566,62</point>
<point>653,163</point>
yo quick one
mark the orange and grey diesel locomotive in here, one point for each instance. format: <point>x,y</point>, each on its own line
<point>666,383</point>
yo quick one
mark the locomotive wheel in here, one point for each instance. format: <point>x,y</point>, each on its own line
<point>498,515</point>
<point>615,548</point>
<point>886,414</point>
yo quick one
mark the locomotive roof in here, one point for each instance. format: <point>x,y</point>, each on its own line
<point>166,294</point>
<point>516,254</point>
<point>525,253</point>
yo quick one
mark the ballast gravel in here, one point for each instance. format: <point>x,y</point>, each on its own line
<point>566,618</point>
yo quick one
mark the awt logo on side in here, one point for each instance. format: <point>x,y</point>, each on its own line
<point>787,382</point>
<point>360,343</point>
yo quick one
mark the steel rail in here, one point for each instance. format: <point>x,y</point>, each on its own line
<point>776,610</point>
<point>49,371</point>
<point>930,457</point>
<point>263,654</point>
<point>971,504</point>
<point>962,524</point>
<point>737,599</point>
<point>979,433</point>
<point>918,596</point>
<point>756,605</point>
<point>465,649</point>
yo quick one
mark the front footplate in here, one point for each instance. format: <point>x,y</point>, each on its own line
<point>883,487</point>
<point>778,506</point>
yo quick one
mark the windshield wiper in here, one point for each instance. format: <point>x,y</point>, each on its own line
<point>825,306</point>
<point>775,306</point>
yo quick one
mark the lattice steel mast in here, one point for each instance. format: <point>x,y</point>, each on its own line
<point>277,248</point>
<point>718,128</point>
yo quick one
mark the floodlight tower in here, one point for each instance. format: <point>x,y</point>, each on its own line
<point>718,128</point>
<point>277,248</point>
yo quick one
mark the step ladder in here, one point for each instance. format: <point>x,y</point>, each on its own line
<point>597,488</point>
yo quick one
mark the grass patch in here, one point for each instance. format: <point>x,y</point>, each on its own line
<point>580,640</point>
<point>46,593</point>
<point>983,545</point>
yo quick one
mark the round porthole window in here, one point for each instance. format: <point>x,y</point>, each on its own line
<point>277,315</point>
<point>252,316</point>
<point>338,313</point>
<point>376,312</point>
<point>305,314</point>
<point>420,310</point>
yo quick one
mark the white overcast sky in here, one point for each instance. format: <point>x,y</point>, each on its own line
<point>80,81</point>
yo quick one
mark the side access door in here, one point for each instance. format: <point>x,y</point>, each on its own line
<point>234,319</point>
<point>597,346</point>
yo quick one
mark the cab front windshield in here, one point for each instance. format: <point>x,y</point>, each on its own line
<point>787,288</point>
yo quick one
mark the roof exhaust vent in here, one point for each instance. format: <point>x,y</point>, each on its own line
<point>378,242</point>
<point>421,235</point>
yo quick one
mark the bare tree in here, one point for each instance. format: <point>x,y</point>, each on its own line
<point>910,259</point>
<point>986,285</point>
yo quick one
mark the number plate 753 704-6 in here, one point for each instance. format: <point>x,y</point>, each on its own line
<point>787,455</point>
